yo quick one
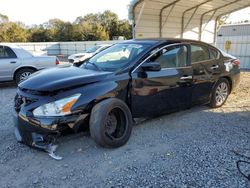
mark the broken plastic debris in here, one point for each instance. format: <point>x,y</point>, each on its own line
<point>54,156</point>
<point>51,150</point>
<point>39,143</point>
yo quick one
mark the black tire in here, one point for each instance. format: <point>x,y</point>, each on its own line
<point>214,102</point>
<point>19,74</point>
<point>111,123</point>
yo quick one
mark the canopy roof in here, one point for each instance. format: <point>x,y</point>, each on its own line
<point>193,19</point>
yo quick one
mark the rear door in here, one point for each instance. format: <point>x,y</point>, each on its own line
<point>8,63</point>
<point>157,92</point>
<point>206,69</point>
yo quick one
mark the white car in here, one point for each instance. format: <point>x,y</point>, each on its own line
<point>76,58</point>
<point>18,64</point>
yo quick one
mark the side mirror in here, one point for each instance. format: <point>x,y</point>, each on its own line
<point>151,66</point>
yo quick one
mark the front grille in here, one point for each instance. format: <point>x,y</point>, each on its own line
<point>18,103</point>
<point>22,101</point>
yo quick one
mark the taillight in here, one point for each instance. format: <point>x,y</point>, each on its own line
<point>236,62</point>
<point>57,61</point>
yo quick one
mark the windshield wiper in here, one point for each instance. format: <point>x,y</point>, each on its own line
<point>98,68</point>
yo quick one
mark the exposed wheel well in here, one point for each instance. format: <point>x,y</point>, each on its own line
<point>21,68</point>
<point>230,82</point>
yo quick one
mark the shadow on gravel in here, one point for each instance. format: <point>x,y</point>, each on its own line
<point>6,85</point>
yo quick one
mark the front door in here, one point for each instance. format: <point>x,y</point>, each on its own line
<point>155,93</point>
<point>8,63</point>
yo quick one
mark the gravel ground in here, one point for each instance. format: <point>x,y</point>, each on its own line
<point>192,148</point>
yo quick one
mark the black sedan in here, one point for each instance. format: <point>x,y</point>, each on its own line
<point>132,79</point>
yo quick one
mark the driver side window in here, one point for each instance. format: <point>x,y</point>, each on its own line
<point>171,57</point>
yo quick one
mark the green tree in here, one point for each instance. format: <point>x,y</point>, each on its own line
<point>93,32</point>
<point>100,26</point>
<point>125,29</point>
<point>93,18</point>
<point>13,32</point>
<point>40,34</point>
<point>110,23</point>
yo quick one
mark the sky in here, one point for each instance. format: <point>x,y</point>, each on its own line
<point>40,11</point>
<point>240,15</point>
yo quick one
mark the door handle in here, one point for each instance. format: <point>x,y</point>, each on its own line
<point>215,67</point>
<point>186,77</point>
<point>12,62</point>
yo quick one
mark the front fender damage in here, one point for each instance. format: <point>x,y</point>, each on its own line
<point>43,133</point>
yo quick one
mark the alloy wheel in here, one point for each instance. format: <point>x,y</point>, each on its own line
<point>24,76</point>
<point>221,93</point>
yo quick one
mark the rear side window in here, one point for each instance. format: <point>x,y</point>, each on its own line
<point>214,54</point>
<point>199,53</point>
<point>6,52</point>
<point>171,57</point>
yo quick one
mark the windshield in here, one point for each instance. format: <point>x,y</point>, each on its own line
<point>115,57</point>
<point>93,50</point>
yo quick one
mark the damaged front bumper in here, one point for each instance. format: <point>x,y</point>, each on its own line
<point>41,133</point>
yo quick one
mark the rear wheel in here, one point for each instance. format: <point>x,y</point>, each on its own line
<point>23,74</point>
<point>111,123</point>
<point>220,93</point>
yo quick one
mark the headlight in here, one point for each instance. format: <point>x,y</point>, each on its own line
<point>60,107</point>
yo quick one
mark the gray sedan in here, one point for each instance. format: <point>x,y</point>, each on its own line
<point>17,64</point>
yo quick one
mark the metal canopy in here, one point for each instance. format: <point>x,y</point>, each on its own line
<point>193,19</point>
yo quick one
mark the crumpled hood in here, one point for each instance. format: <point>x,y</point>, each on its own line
<point>62,78</point>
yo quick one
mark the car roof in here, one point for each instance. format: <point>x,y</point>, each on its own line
<point>13,46</point>
<point>153,41</point>
<point>141,41</point>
